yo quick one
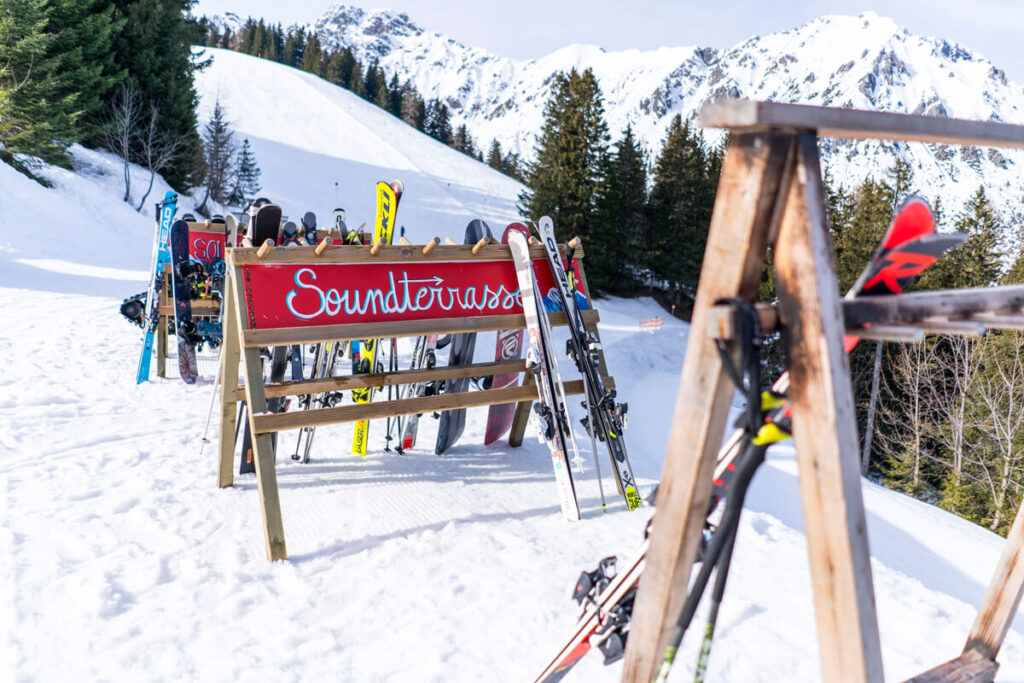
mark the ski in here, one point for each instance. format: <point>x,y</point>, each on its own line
<point>509,346</point>
<point>424,357</point>
<point>553,421</point>
<point>909,247</point>
<point>364,351</point>
<point>604,414</point>
<point>161,257</point>
<point>453,422</point>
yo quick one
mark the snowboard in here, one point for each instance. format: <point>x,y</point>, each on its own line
<point>184,328</point>
<point>364,351</point>
<point>265,224</point>
<point>453,422</point>
<point>161,257</point>
<point>309,228</point>
<point>509,346</point>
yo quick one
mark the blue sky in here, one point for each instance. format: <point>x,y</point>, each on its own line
<point>530,28</point>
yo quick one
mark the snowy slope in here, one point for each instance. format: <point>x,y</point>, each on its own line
<point>320,147</point>
<point>866,62</point>
<point>123,561</point>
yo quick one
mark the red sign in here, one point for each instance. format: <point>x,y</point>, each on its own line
<point>314,294</point>
<point>206,246</point>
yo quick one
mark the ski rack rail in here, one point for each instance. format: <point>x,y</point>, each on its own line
<point>771,192</point>
<point>251,301</point>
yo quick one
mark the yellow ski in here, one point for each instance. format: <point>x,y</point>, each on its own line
<point>364,351</point>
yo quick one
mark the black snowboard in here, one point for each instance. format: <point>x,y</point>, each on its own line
<point>278,366</point>
<point>266,224</point>
<point>184,328</point>
<point>462,346</point>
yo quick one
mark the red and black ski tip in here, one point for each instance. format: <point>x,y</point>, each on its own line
<point>896,268</point>
<point>913,219</point>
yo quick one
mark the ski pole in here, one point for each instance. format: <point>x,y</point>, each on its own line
<point>593,440</point>
<point>213,399</point>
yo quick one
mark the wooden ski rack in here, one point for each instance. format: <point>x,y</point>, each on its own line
<point>243,340</point>
<point>771,192</point>
<point>165,311</point>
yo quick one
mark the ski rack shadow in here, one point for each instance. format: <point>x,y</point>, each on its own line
<point>261,287</point>
<point>771,193</point>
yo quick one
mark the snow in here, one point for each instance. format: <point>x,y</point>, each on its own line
<point>124,561</point>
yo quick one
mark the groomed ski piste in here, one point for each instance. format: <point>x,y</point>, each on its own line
<point>122,560</point>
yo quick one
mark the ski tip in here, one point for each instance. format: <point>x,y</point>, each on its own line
<point>913,219</point>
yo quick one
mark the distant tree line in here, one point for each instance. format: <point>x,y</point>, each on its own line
<point>300,49</point>
<point>643,227</point>
<point>942,420</point>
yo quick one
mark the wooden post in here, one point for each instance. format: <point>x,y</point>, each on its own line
<point>1002,597</point>
<point>229,358</point>
<point>825,430</point>
<point>521,417</point>
<point>263,447</point>
<point>753,170</point>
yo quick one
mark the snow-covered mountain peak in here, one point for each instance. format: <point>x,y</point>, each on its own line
<point>866,61</point>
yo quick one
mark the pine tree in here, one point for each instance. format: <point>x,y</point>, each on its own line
<point>247,176</point>
<point>84,33</point>
<point>382,98</point>
<point>40,108</point>
<point>413,110</point>
<point>494,159</point>
<point>218,143</point>
<point>437,123</point>
<point>615,250</point>
<point>563,182</point>
<point>311,55</point>
<point>682,196</point>
<point>976,262</point>
<point>332,68</point>
<point>153,47</point>
<point>356,84</point>
<point>347,65</point>
<point>395,96</point>
<point>462,141</point>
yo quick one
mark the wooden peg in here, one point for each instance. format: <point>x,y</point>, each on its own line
<point>322,247</point>
<point>449,240</point>
<point>247,243</point>
<point>575,243</point>
<point>403,241</point>
<point>375,249</point>
<point>265,248</point>
<point>431,245</point>
<point>532,240</point>
<point>479,245</point>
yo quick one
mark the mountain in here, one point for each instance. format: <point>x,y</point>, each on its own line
<point>864,62</point>
<point>119,552</point>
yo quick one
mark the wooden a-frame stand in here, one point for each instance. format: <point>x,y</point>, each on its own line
<point>242,344</point>
<point>771,193</point>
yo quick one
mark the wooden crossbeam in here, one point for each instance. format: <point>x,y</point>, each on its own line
<point>395,253</point>
<point>276,422</point>
<point>991,307</point>
<point>284,336</point>
<point>199,307</point>
<point>383,379</point>
<point>748,115</point>
<point>970,667</point>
